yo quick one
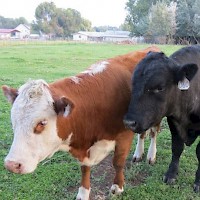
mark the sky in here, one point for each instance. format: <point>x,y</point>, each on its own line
<point>99,12</point>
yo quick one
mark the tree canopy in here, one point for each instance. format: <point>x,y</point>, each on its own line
<point>178,18</point>
<point>58,21</point>
<point>11,23</point>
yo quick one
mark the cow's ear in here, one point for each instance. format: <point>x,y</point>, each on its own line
<point>185,74</point>
<point>63,106</point>
<point>149,52</point>
<point>10,93</point>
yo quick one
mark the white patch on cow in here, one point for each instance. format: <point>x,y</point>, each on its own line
<point>33,104</point>
<point>184,84</point>
<point>96,68</point>
<point>86,72</point>
<point>151,155</point>
<point>139,151</point>
<point>67,111</point>
<point>66,144</point>
<point>75,79</point>
<point>98,152</point>
<point>83,194</point>
<point>115,190</point>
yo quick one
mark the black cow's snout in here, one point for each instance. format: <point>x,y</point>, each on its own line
<point>130,124</point>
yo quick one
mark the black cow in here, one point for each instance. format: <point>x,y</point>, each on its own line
<point>169,86</point>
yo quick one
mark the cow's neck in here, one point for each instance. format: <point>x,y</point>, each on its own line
<point>185,113</point>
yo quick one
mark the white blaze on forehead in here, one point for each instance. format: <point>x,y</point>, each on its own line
<point>98,152</point>
<point>97,68</point>
<point>33,102</point>
<point>33,89</point>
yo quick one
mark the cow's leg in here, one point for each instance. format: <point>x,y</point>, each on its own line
<point>177,149</point>
<point>123,145</point>
<point>151,155</point>
<point>139,151</point>
<point>84,190</point>
<point>197,178</point>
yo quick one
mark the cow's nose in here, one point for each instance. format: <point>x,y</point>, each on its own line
<point>130,124</point>
<point>13,166</point>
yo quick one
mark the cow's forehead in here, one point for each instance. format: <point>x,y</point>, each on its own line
<point>34,89</point>
<point>33,99</point>
<point>152,65</point>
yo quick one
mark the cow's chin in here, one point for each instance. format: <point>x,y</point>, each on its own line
<point>28,170</point>
<point>142,129</point>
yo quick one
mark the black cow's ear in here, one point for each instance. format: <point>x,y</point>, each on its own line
<point>149,52</point>
<point>161,53</point>
<point>63,106</point>
<point>189,70</point>
<point>185,74</point>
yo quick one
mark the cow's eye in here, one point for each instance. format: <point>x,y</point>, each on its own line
<point>156,90</point>
<point>40,126</point>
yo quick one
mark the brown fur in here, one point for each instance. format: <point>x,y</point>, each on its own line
<point>99,104</point>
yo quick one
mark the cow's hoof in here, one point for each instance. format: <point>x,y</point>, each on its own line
<point>115,190</point>
<point>151,161</point>
<point>136,159</point>
<point>196,188</point>
<point>169,180</point>
<point>83,194</point>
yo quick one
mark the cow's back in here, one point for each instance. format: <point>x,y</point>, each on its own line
<point>101,99</point>
<point>189,54</point>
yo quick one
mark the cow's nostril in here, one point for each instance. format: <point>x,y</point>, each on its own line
<point>18,165</point>
<point>130,124</point>
<point>13,166</point>
<point>134,123</point>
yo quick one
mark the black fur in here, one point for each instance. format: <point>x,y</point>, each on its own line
<point>155,94</point>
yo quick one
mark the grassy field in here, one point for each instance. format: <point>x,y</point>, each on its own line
<point>58,178</point>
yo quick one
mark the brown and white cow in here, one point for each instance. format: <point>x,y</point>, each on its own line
<point>82,115</point>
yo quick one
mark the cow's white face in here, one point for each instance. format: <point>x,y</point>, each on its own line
<point>34,124</point>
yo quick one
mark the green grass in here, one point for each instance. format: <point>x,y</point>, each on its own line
<point>58,177</point>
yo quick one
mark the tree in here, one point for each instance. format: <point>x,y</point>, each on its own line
<point>137,17</point>
<point>125,27</point>
<point>178,19</point>
<point>196,10</point>
<point>21,20</point>
<point>162,20</point>
<point>86,25</point>
<point>105,28</point>
<point>184,18</point>
<point>188,16</point>
<point>45,14</point>
<point>11,23</point>
<point>59,22</point>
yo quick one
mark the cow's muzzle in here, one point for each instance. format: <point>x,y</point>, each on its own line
<point>132,125</point>
<point>14,167</point>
